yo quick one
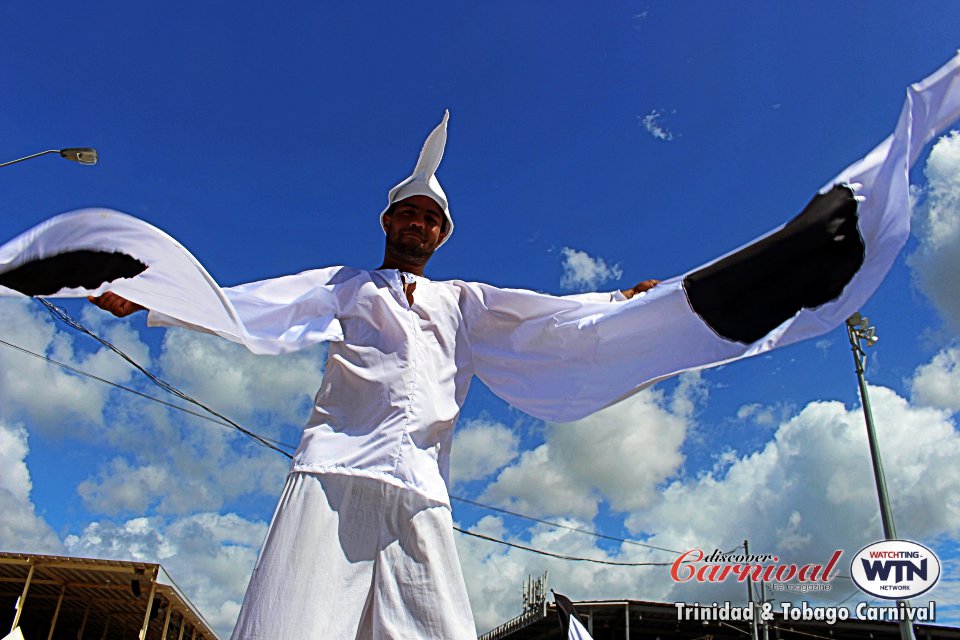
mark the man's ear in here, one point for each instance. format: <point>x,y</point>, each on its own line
<point>386,219</point>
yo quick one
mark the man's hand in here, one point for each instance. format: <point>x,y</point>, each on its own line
<point>646,285</point>
<point>118,306</point>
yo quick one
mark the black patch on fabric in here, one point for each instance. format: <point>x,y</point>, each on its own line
<point>81,268</point>
<point>804,265</point>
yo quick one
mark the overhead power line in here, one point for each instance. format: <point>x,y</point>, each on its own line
<point>87,374</point>
<point>560,555</point>
<point>65,317</point>
<point>217,418</point>
<point>279,443</point>
<point>563,526</point>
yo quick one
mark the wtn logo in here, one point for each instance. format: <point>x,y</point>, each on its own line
<point>903,570</point>
<point>895,569</point>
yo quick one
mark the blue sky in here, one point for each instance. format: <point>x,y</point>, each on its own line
<point>651,137</point>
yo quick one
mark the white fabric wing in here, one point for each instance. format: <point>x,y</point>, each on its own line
<point>277,316</point>
<point>556,358</point>
<point>561,359</point>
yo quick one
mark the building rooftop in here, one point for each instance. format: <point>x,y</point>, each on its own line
<point>64,597</point>
<point>639,619</point>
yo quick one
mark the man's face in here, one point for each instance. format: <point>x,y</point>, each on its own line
<point>414,227</point>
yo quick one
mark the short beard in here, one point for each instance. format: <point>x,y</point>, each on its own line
<point>410,250</point>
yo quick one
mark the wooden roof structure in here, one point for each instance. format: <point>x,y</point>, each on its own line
<point>54,597</point>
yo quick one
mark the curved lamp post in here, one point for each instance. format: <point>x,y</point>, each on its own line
<point>82,155</point>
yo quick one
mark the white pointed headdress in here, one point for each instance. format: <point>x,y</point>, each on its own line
<point>423,181</point>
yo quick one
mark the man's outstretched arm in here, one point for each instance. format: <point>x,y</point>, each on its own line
<point>117,305</point>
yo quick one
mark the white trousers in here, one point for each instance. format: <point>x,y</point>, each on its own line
<point>355,558</point>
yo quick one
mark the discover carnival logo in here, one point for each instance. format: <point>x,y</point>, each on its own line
<point>719,567</point>
<point>895,569</point>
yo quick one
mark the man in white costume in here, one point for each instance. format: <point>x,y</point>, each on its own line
<point>361,544</point>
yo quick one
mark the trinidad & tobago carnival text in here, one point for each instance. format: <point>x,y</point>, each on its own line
<point>766,612</point>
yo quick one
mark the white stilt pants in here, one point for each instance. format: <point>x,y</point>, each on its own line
<point>351,558</point>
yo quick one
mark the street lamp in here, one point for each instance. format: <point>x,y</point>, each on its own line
<point>83,155</point>
<point>859,331</point>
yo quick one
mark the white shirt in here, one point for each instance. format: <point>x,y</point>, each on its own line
<point>396,375</point>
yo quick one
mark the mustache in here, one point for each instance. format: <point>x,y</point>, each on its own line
<point>414,232</point>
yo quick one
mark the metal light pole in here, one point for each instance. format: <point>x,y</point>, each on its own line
<point>82,155</point>
<point>860,331</point>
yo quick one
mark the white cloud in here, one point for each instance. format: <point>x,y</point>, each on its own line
<point>495,573</point>
<point>570,473</point>
<point>640,438</point>
<point>808,492</point>
<point>756,412</point>
<point>134,491</point>
<point>937,383</point>
<point>164,463</point>
<point>481,447</point>
<point>762,415</point>
<point>209,555</point>
<point>21,528</point>
<point>155,459</point>
<point>173,464</point>
<point>582,272</point>
<point>181,481</point>
<point>936,263</point>
<point>651,122</point>
<point>67,399</point>
<point>122,334</point>
<point>538,485</point>
<point>640,18</point>
<point>277,389</point>
<point>823,345</point>
<point>238,383</point>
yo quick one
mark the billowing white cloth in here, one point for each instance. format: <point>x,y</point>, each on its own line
<point>176,284</point>
<point>356,558</point>
<point>398,374</point>
<point>557,358</point>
